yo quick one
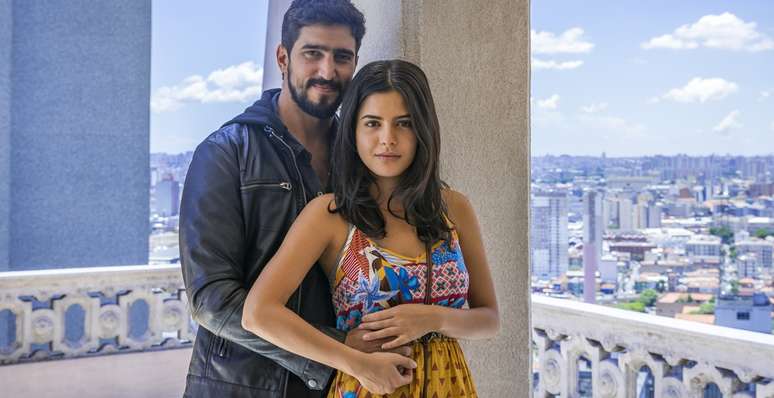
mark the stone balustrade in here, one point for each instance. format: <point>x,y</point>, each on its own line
<point>592,350</point>
<point>63,313</point>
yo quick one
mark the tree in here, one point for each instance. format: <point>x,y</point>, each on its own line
<point>762,233</point>
<point>648,297</point>
<point>725,234</point>
<point>734,287</point>
<point>636,306</point>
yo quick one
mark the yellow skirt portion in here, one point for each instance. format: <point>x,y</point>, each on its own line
<point>441,372</point>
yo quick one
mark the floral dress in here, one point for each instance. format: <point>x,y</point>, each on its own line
<point>369,278</point>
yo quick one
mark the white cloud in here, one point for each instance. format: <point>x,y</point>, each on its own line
<point>594,108</point>
<point>702,90</point>
<point>725,31</point>
<point>730,122</point>
<point>772,126</point>
<point>570,41</point>
<point>551,64</point>
<point>236,83</point>
<point>764,96</point>
<point>551,102</point>
<point>612,123</point>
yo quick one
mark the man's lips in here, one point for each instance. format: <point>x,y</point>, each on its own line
<point>326,88</point>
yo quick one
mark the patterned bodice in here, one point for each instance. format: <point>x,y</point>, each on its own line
<point>370,278</point>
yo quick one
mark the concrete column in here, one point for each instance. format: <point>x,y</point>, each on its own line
<point>80,93</point>
<point>272,78</point>
<point>6,30</point>
<point>476,57</point>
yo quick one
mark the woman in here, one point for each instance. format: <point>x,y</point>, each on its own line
<point>389,214</point>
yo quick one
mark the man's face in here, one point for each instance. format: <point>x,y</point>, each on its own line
<point>319,68</point>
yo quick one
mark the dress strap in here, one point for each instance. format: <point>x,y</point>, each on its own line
<point>340,256</point>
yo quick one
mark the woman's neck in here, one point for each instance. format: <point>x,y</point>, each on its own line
<point>382,190</point>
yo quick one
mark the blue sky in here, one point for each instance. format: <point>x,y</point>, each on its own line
<point>606,76</point>
<point>206,58</point>
<point>705,88</point>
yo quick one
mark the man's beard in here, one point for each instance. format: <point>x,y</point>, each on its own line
<point>321,110</point>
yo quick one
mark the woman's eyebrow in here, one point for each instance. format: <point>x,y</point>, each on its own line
<point>371,117</point>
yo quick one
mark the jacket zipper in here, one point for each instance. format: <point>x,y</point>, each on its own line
<point>271,132</point>
<point>283,185</point>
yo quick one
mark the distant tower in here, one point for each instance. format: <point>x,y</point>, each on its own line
<point>592,243</point>
<point>549,235</point>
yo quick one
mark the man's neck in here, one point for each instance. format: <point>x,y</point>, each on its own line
<point>310,131</point>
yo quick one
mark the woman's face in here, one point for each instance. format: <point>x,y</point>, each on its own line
<point>385,137</point>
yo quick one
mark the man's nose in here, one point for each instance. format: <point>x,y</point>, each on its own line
<point>327,69</point>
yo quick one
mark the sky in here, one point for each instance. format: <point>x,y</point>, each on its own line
<point>623,77</point>
<point>632,78</point>
<point>206,67</point>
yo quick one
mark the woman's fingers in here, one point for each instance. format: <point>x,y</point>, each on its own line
<point>397,342</point>
<point>381,333</point>
<point>375,325</point>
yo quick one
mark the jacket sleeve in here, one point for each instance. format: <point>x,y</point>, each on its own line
<point>212,249</point>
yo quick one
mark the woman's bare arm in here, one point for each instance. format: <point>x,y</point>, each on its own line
<point>265,313</point>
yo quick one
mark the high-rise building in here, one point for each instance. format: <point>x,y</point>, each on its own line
<point>746,265</point>
<point>592,242</point>
<point>74,127</point>
<point>763,250</point>
<point>167,196</point>
<point>549,235</point>
<point>626,216</point>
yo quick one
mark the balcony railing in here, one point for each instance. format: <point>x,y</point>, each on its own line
<point>66,313</point>
<point>592,350</point>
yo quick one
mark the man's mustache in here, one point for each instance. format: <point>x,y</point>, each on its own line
<point>331,84</point>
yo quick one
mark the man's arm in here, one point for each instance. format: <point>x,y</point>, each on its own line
<point>212,249</point>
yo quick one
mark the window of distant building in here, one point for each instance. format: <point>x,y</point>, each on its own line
<point>743,316</point>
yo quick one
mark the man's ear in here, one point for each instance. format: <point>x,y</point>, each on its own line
<point>282,60</point>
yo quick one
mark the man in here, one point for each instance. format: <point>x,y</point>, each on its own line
<point>246,184</point>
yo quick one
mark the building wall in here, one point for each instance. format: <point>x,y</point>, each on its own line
<point>6,37</point>
<point>79,133</point>
<point>477,61</point>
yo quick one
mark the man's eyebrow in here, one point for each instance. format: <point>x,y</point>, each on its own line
<point>326,48</point>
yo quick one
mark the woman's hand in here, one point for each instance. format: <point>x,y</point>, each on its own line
<point>383,372</point>
<point>405,322</point>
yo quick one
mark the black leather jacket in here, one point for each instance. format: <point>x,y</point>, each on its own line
<point>246,184</point>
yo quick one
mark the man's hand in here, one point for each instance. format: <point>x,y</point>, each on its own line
<point>355,340</point>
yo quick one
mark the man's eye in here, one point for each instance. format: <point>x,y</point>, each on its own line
<point>312,54</point>
<point>343,58</point>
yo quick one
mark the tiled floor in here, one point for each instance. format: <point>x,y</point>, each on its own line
<point>157,374</point>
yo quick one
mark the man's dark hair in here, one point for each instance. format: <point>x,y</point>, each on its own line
<point>419,188</point>
<point>321,12</point>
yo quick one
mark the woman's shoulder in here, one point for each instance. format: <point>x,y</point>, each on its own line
<point>456,202</point>
<point>320,208</point>
<point>458,208</point>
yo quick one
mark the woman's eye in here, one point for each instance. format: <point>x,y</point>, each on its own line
<point>371,123</point>
<point>405,124</point>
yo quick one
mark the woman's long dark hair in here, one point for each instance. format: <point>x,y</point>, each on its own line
<point>419,187</point>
